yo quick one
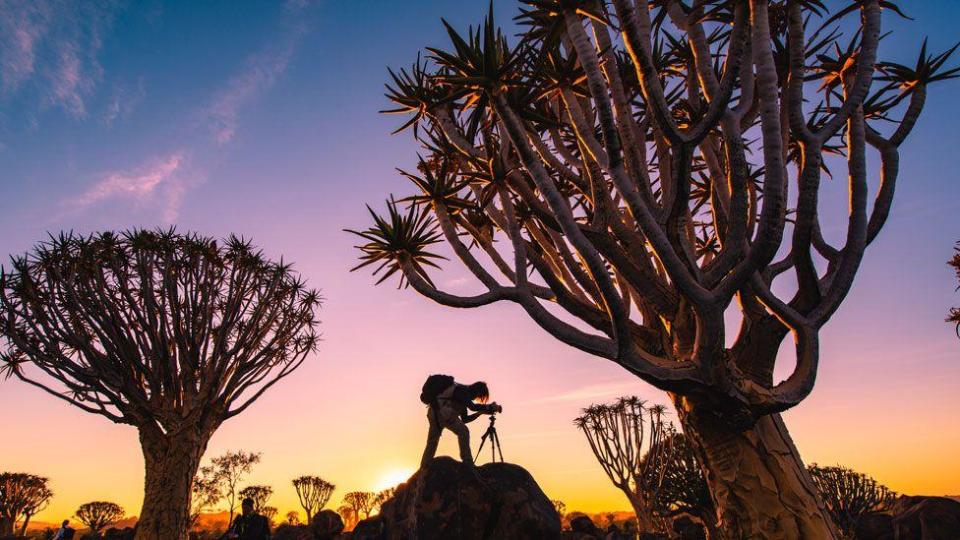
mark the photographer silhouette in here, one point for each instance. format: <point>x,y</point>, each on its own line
<point>448,403</point>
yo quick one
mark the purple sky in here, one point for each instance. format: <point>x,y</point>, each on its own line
<point>261,119</point>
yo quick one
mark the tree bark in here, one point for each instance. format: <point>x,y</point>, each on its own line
<point>26,521</point>
<point>171,462</point>
<point>642,511</point>
<point>760,486</point>
<point>6,526</point>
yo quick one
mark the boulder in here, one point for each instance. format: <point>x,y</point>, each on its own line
<point>126,533</point>
<point>926,518</point>
<point>874,526</point>
<point>292,532</point>
<point>326,525</point>
<point>585,525</point>
<point>445,500</point>
<point>686,528</point>
<point>368,529</point>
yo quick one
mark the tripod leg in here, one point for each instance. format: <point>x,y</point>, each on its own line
<point>499,449</point>
<point>483,440</point>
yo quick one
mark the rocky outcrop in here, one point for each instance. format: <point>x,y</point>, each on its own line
<point>926,518</point>
<point>874,526</point>
<point>368,529</point>
<point>326,525</point>
<point>446,500</point>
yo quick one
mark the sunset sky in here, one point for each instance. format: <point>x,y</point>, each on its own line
<point>260,118</point>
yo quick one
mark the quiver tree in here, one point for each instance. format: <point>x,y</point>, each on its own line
<point>98,515</point>
<point>229,469</point>
<point>21,495</point>
<point>560,507</point>
<point>259,495</point>
<point>207,491</point>
<point>360,502</point>
<point>314,493</point>
<point>171,333</point>
<point>628,439</point>
<point>683,489</point>
<point>382,497</point>
<point>850,495</point>
<point>293,517</point>
<point>269,512</point>
<point>646,167</point>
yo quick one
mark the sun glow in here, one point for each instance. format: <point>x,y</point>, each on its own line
<point>392,478</point>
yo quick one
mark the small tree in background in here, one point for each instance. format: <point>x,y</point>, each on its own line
<point>269,512</point>
<point>560,507</point>
<point>258,494</point>
<point>314,493</point>
<point>349,516</point>
<point>23,495</point>
<point>631,442</point>
<point>171,333</point>
<point>850,495</point>
<point>98,515</point>
<point>361,502</point>
<point>955,312</point>
<point>382,497</point>
<point>293,517</point>
<point>206,492</point>
<point>229,470</point>
<point>683,489</point>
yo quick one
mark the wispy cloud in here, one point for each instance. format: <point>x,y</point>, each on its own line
<point>68,35</point>
<point>123,100</point>
<point>261,71</point>
<point>160,183</point>
<point>590,392</point>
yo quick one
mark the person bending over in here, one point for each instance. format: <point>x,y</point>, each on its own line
<point>448,404</point>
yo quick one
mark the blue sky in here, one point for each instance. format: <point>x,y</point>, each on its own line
<point>260,118</point>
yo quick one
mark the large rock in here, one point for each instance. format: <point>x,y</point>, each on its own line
<point>293,532</point>
<point>874,526</point>
<point>926,518</point>
<point>326,525</point>
<point>446,501</point>
<point>368,529</point>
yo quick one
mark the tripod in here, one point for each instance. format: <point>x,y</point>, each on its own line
<point>491,433</point>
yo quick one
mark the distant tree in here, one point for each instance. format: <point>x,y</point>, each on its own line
<point>23,495</point>
<point>293,517</point>
<point>259,494</point>
<point>229,470</point>
<point>171,333</point>
<point>382,497</point>
<point>361,502</point>
<point>683,489</point>
<point>631,442</point>
<point>314,493</point>
<point>850,495</point>
<point>560,507</point>
<point>269,512</point>
<point>349,516</point>
<point>955,312</point>
<point>98,515</point>
<point>206,492</point>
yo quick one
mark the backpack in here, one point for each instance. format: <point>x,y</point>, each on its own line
<point>433,387</point>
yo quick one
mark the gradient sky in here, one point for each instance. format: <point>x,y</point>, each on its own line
<point>261,119</point>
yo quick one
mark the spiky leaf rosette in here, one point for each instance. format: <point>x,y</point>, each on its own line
<point>401,237</point>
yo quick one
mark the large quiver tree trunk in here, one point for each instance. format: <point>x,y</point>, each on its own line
<point>171,462</point>
<point>760,486</point>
